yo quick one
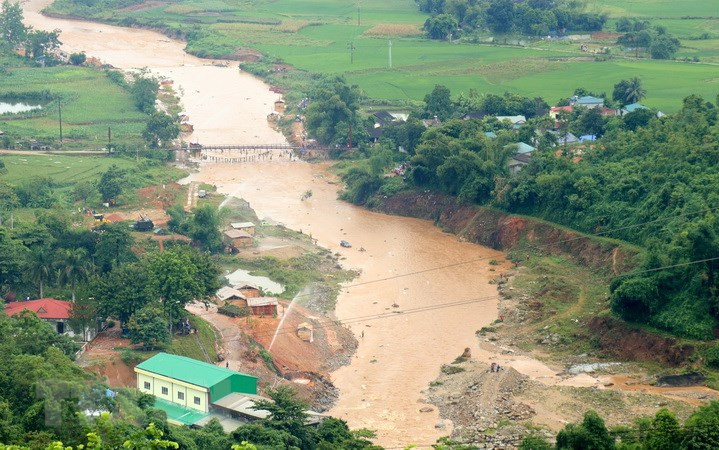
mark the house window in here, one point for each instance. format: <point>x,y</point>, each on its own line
<point>180,395</point>
<point>60,327</point>
<point>147,385</point>
<point>164,391</point>
<point>197,400</point>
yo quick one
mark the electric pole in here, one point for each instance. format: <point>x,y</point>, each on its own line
<point>390,54</point>
<point>59,113</point>
<point>351,46</point>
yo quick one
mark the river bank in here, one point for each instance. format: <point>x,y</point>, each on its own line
<point>225,105</point>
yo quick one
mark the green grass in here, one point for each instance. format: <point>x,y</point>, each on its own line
<point>189,346</point>
<point>313,35</point>
<point>90,104</point>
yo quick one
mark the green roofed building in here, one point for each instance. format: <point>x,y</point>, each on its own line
<point>191,385</point>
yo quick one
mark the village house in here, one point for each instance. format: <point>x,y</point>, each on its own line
<point>247,227</point>
<point>263,306</point>
<point>587,101</point>
<point>249,290</point>
<point>227,293</point>
<point>631,108</point>
<point>517,162</point>
<point>555,111</point>
<point>237,239</point>
<point>516,121</point>
<point>56,312</point>
<point>474,115</point>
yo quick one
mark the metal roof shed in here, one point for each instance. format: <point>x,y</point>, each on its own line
<point>218,381</point>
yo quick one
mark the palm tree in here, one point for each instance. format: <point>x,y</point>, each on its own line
<point>74,267</point>
<point>634,91</point>
<point>39,266</point>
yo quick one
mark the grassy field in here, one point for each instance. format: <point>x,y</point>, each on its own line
<point>90,104</point>
<point>316,35</point>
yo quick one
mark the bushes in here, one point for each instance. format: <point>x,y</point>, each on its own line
<point>233,310</point>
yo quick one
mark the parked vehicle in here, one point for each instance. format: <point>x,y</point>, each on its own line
<point>345,244</point>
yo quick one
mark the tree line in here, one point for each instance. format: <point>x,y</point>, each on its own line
<point>528,17</point>
<point>642,169</point>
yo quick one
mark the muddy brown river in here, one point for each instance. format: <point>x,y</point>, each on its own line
<point>398,356</point>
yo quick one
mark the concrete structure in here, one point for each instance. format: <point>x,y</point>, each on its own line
<point>189,383</point>
<point>631,108</point>
<point>247,227</point>
<point>56,312</point>
<point>263,306</point>
<point>237,239</point>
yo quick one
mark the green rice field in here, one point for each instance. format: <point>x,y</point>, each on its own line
<point>91,104</point>
<point>317,36</point>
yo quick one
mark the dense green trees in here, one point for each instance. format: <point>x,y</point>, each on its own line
<point>332,110</point>
<point>629,91</point>
<point>533,17</point>
<point>656,40</point>
<point>160,129</point>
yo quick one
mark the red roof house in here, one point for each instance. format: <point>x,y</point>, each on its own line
<point>56,312</point>
<point>45,308</point>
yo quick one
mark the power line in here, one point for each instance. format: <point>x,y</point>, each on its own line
<point>426,308</point>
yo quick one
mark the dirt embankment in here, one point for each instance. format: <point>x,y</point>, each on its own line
<point>503,231</point>
<point>623,342</point>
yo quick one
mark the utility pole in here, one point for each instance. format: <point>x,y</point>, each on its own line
<point>390,54</point>
<point>59,113</point>
<point>351,46</point>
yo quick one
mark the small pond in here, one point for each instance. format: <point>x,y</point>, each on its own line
<point>240,276</point>
<point>15,107</point>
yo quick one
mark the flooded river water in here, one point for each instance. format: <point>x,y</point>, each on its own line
<point>398,356</point>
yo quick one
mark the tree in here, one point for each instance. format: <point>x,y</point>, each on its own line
<point>12,29</point>
<point>174,279</point>
<point>83,190</point>
<point>639,118</point>
<point>75,267</point>
<point>78,59</point>
<point>205,228</point>
<point>440,26</point>
<point>500,15</point>
<point>701,429</point>
<point>149,327</point>
<point>12,260</point>
<point>438,103</point>
<point>333,108</point>
<point>591,434</point>
<point>122,291</point>
<point>287,413</point>
<point>39,266</point>
<point>629,91</point>
<point>114,247</point>
<point>39,42</point>
<point>83,315</point>
<point>110,184</point>
<point>665,432</point>
<point>590,121</point>
<point>533,442</point>
<point>144,91</point>
<point>664,47</point>
<point>160,129</point>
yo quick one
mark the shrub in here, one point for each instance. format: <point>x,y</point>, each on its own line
<point>233,310</point>
<point>711,357</point>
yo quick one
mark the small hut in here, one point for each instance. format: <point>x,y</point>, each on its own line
<point>263,306</point>
<point>238,239</point>
<point>306,332</point>
<point>247,227</point>
<point>249,290</point>
<point>227,294</point>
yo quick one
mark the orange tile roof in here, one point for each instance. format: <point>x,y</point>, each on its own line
<point>45,308</point>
